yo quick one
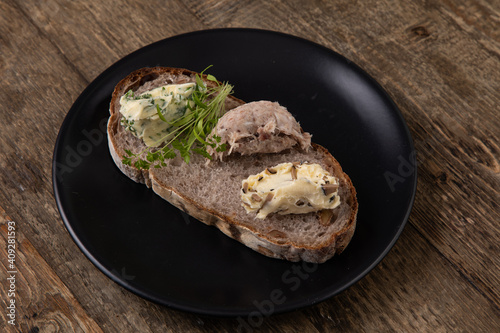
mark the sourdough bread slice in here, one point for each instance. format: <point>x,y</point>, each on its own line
<point>210,192</point>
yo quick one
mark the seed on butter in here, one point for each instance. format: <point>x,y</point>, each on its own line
<point>290,188</point>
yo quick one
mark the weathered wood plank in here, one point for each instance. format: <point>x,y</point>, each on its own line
<point>414,289</point>
<point>93,35</point>
<point>35,296</point>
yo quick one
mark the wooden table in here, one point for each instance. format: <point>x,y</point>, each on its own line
<point>439,61</point>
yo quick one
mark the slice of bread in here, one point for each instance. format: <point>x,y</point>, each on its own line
<point>210,192</point>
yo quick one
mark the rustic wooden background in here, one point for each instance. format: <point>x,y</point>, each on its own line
<point>438,59</point>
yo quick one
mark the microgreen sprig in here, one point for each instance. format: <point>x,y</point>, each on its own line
<point>191,130</point>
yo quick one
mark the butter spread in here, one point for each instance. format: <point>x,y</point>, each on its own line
<point>140,113</point>
<point>290,188</point>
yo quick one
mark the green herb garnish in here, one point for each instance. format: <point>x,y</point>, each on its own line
<point>128,124</point>
<point>190,131</point>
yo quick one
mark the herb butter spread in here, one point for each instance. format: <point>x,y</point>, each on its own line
<point>290,188</point>
<point>140,113</point>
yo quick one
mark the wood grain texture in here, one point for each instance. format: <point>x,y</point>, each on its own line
<point>42,301</point>
<point>439,61</point>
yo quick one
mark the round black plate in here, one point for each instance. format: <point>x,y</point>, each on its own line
<point>156,251</point>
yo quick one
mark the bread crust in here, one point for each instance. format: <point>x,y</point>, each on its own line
<point>263,243</point>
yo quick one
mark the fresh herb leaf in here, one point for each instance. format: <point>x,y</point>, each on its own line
<point>203,152</point>
<point>141,164</point>
<point>206,106</point>
<point>127,161</point>
<point>221,148</point>
<point>158,110</point>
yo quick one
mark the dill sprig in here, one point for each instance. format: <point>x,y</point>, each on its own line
<point>191,130</point>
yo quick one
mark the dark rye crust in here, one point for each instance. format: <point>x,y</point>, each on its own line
<point>265,244</point>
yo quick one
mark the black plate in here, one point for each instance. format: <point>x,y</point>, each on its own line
<point>156,251</point>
